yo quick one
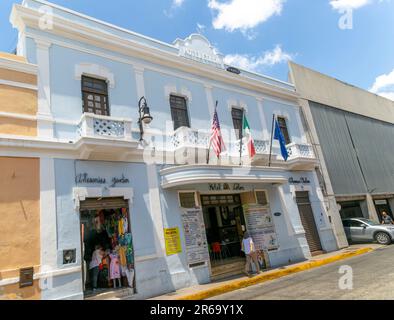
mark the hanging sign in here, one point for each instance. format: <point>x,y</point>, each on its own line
<point>195,236</point>
<point>260,225</point>
<point>172,241</point>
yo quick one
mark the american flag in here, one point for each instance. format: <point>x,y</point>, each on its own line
<point>216,136</point>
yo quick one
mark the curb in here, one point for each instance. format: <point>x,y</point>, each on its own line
<point>272,275</point>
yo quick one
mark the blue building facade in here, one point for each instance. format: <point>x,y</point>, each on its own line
<point>92,76</point>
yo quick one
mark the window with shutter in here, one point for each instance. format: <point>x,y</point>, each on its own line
<point>283,127</point>
<point>237,115</point>
<point>95,96</point>
<point>187,200</point>
<point>179,112</point>
<point>261,197</point>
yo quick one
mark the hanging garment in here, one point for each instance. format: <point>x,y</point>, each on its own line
<point>128,239</point>
<point>120,226</point>
<point>130,277</point>
<point>122,256</point>
<point>125,225</point>
<point>129,255</point>
<point>114,270</point>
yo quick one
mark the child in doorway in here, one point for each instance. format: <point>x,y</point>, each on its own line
<point>97,257</point>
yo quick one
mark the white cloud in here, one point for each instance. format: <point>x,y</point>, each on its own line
<point>177,3</point>
<point>348,4</point>
<point>256,63</point>
<point>243,14</point>
<point>384,85</point>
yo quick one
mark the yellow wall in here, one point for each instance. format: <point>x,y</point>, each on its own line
<point>18,100</point>
<point>16,76</point>
<point>19,221</point>
<point>18,126</point>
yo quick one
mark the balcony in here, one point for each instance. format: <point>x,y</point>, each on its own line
<point>301,156</point>
<point>104,138</point>
<point>193,146</point>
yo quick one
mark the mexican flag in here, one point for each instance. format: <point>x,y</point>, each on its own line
<point>248,138</point>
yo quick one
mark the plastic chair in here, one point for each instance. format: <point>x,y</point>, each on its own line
<point>217,250</point>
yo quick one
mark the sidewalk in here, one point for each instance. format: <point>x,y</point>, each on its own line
<point>201,292</point>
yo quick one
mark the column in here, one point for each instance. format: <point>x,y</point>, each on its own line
<point>332,207</point>
<point>44,114</point>
<point>266,127</point>
<point>48,219</point>
<point>155,209</point>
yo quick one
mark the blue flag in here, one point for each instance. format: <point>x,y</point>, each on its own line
<point>279,136</point>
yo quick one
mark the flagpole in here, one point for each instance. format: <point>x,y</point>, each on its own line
<point>241,141</point>
<point>210,140</point>
<point>272,136</point>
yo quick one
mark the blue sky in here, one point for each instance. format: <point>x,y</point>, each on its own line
<point>262,34</point>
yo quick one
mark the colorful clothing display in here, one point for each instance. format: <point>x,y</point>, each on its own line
<point>119,263</point>
<point>122,256</point>
<point>114,270</point>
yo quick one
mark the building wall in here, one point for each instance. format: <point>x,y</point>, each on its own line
<point>18,97</point>
<point>19,223</point>
<point>314,86</point>
<point>343,137</point>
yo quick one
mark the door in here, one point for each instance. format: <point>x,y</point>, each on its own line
<point>308,221</point>
<point>383,206</point>
<point>360,232</point>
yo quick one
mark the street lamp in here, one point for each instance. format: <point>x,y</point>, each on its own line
<point>144,115</point>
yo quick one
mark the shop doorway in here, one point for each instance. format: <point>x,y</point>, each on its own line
<point>383,206</point>
<point>225,226</point>
<point>350,209</point>
<point>107,246</point>
<point>308,222</point>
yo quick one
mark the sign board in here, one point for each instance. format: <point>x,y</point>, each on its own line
<point>195,236</point>
<point>260,225</point>
<point>26,277</point>
<point>196,47</point>
<point>172,241</point>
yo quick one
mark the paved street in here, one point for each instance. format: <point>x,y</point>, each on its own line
<point>373,278</point>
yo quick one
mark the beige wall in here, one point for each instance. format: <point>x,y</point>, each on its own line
<point>317,87</point>
<point>18,100</point>
<point>20,220</point>
<point>18,127</point>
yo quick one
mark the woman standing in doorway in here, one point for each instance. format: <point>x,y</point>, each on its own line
<point>251,254</point>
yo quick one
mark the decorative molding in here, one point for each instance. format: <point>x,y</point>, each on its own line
<point>94,70</point>
<point>18,116</point>
<point>176,73</point>
<point>18,85</point>
<point>81,193</point>
<point>18,66</point>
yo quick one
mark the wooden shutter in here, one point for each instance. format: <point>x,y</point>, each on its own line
<point>103,203</point>
<point>308,221</point>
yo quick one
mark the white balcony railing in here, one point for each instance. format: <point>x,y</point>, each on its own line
<point>188,138</point>
<point>298,150</point>
<point>96,126</point>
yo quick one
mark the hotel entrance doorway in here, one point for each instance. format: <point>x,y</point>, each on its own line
<point>225,226</point>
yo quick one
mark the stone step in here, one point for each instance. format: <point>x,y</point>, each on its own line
<point>227,270</point>
<point>120,294</point>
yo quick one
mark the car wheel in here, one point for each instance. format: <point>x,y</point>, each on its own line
<point>383,238</point>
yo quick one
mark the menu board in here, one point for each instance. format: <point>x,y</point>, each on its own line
<point>195,236</point>
<point>260,225</point>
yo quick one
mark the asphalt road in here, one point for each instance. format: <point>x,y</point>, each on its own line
<point>373,278</point>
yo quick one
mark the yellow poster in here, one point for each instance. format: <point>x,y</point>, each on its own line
<point>173,241</point>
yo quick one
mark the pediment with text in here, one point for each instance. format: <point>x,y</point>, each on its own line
<point>198,48</point>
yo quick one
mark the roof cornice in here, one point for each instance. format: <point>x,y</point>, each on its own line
<point>22,17</point>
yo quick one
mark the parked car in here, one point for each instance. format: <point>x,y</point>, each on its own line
<point>364,230</point>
